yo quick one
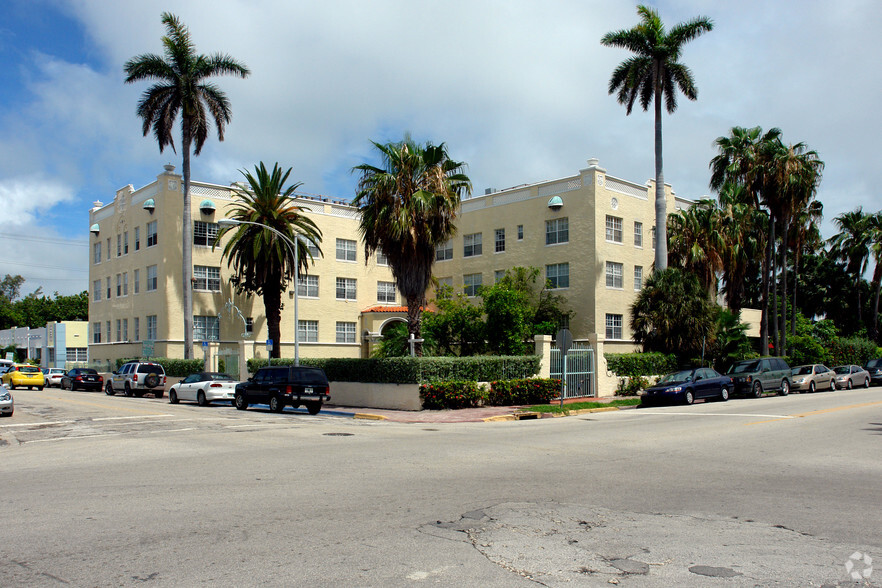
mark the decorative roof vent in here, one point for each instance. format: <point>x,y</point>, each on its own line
<point>94,229</point>
<point>207,207</point>
<point>555,202</point>
<point>149,204</point>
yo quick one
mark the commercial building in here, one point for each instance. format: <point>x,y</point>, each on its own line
<point>62,344</point>
<point>591,234</point>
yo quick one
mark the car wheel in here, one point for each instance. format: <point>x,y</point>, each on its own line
<point>240,402</point>
<point>40,388</point>
<point>200,399</point>
<point>128,390</point>
<point>724,394</point>
<point>688,397</point>
<point>172,396</point>
<point>785,387</point>
<point>867,383</point>
<point>757,389</point>
<point>108,389</point>
<point>276,405</point>
<point>832,385</point>
<point>811,386</point>
<point>152,380</point>
<point>849,385</point>
<point>313,407</point>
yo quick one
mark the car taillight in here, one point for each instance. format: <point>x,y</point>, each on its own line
<point>288,390</point>
<point>79,378</point>
<point>101,379</point>
<point>216,386</point>
<point>135,378</point>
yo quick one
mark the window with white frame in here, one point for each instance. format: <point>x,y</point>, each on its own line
<point>557,275</point>
<point>471,245</point>
<point>444,251</point>
<point>96,253</point>
<point>613,274</point>
<point>118,285</point>
<point>307,331</point>
<point>345,332</point>
<point>557,231</point>
<point>126,243</point>
<point>382,259</point>
<point>652,231</point>
<point>346,289</point>
<point>137,329</point>
<point>249,325</point>
<point>151,327</point>
<point>119,245</point>
<point>638,234</point>
<point>77,354</point>
<point>137,281</point>
<point>125,283</point>
<point>613,326</point>
<point>499,240</point>
<point>444,285</point>
<point>471,283</point>
<point>638,277</point>
<point>108,287</point>
<point>204,233</point>
<point>137,238</point>
<point>206,278</point>
<point>613,229</point>
<point>109,332</point>
<point>308,286</point>
<point>96,332</point>
<point>313,249</point>
<point>386,292</point>
<point>151,278</point>
<point>520,232</point>
<point>125,331</point>
<point>118,329</point>
<point>346,250</point>
<point>152,236</point>
<point>96,291</point>
<point>206,328</point>
<point>498,275</point>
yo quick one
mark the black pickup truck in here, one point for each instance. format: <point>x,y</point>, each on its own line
<point>280,386</point>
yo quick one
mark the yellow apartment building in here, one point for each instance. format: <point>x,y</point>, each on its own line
<point>591,235</point>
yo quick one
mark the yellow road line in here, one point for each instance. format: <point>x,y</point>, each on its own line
<point>816,412</point>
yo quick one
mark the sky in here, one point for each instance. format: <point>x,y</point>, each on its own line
<point>517,89</point>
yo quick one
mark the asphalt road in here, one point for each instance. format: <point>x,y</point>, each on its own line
<point>114,491</point>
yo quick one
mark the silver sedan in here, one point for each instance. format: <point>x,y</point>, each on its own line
<point>849,376</point>
<point>7,405</point>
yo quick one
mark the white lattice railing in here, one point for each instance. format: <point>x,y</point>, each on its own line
<point>210,192</point>
<point>560,187</point>
<point>628,188</point>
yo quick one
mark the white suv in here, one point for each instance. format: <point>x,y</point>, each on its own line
<point>137,378</point>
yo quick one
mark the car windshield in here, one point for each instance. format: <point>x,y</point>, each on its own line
<point>681,376</point>
<point>842,369</point>
<point>742,368</point>
<point>803,370</point>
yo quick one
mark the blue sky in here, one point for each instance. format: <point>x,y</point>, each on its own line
<point>517,89</point>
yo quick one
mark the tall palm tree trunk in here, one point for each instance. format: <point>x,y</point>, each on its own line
<point>272,304</point>
<point>764,320</point>
<point>877,282</point>
<point>661,217</point>
<point>796,256</point>
<point>773,256</point>
<point>785,230</point>
<point>187,245</point>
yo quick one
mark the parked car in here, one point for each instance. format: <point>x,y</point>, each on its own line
<point>26,376</point>
<point>689,385</point>
<point>85,378</point>
<point>812,377</point>
<point>874,368</point>
<point>755,376</point>
<point>137,378</point>
<point>204,388</point>
<point>849,376</point>
<point>53,376</point>
<point>7,405</point>
<point>279,386</point>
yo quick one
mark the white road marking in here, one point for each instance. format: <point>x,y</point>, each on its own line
<point>72,437</point>
<point>44,423</point>
<point>128,418</point>
<point>771,416</point>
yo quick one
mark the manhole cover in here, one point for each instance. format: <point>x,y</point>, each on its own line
<point>338,434</point>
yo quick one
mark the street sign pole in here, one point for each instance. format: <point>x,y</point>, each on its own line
<point>564,342</point>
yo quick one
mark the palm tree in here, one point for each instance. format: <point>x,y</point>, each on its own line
<point>408,206</point>
<point>697,244</point>
<point>804,234</point>
<point>182,88</point>
<point>743,230</point>
<point>876,247</point>
<point>852,245</point>
<point>655,73</point>
<point>262,261</point>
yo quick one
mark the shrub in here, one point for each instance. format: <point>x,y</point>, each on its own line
<point>856,350</point>
<point>450,394</point>
<point>633,386</point>
<point>523,391</point>
<point>176,368</point>
<point>640,364</point>
<point>415,370</point>
<point>805,349</point>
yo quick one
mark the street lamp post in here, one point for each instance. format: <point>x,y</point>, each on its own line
<point>292,247</point>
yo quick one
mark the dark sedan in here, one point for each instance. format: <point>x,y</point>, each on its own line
<point>85,378</point>
<point>874,368</point>
<point>689,385</point>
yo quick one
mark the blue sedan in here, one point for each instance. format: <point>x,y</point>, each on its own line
<point>688,385</point>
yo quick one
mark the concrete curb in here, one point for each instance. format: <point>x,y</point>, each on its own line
<point>369,417</point>
<point>548,415</point>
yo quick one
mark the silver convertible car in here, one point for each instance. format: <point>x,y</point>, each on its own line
<point>203,388</point>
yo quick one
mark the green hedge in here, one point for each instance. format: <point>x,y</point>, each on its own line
<point>523,391</point>
<point>416,370</point>
<point>848,350</point>
<point>640,364</point>
<point>450,394</point>
<point>176,368</point>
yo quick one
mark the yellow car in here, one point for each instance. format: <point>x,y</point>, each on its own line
<point>26,376</point>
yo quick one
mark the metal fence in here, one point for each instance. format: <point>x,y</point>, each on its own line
<point>580,370</point>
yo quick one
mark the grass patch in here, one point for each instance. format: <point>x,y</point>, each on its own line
<point>566,408</point>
